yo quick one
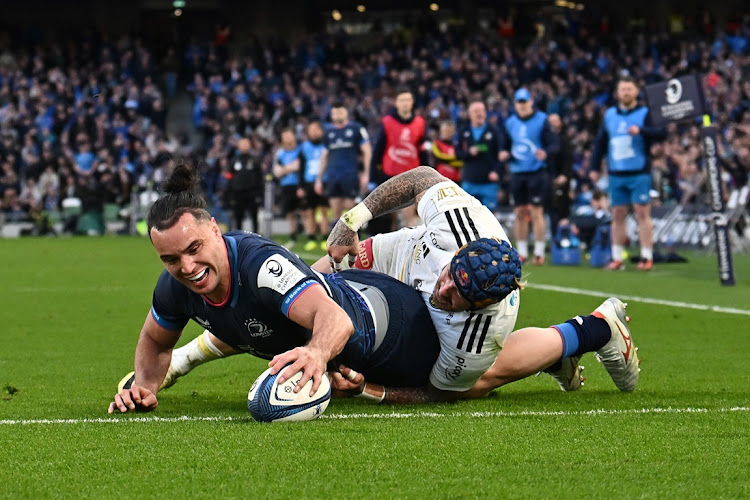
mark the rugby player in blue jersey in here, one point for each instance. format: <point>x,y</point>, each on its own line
<point>259,298</point>
<point>339,179</point>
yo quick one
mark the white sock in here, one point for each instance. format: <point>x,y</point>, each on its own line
<point>539,248</point>
<point>523,248</point>
<point>647,253</point>
<point>196,352</point>
<point>617,252</point>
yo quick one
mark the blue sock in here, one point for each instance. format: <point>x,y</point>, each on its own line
<point>583,334</point>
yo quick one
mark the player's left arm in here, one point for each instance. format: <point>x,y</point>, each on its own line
<point>331,328</point>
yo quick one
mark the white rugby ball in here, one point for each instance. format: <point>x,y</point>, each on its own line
<point>269,401</point>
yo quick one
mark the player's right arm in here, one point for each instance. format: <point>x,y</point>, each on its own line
<point>395,193</point>
<point>349,382</point>
<point>152,357</point>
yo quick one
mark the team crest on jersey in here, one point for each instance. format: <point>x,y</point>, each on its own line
<point>257,328</point>
<point>279,274</point>
<point>622,127</point>
<point>488,136</point>
<point>348,132</point>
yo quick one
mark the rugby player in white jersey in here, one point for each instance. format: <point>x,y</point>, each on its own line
<point>473,312</point>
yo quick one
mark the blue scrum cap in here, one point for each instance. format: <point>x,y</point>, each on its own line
<point>486,271</point>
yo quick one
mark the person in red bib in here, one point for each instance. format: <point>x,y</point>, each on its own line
<point>399,147</point>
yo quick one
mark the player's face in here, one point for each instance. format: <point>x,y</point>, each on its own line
<point>193,252</point>
<point>339,116</point>
<point>404,103</point>
<point>627,93</point>
<point>445,296</point>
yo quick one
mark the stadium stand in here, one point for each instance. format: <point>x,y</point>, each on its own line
<point>87,117</point>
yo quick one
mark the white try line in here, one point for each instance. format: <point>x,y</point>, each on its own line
<point>385,416</point>
<point>635,298</point>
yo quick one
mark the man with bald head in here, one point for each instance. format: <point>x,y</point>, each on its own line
<point>245,189</point>
<point>478,147</point>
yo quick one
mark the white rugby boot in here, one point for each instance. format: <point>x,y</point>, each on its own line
<point>619,356</point>
<point>569,376</point>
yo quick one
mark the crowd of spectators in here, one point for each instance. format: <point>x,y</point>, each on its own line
<point>84,120</point>
<point>87,118</point>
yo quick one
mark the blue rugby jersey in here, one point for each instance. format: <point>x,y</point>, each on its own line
<point>266,278</point>
<point>343,146</point>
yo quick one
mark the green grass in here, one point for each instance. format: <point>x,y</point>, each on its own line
<point>72,309</point>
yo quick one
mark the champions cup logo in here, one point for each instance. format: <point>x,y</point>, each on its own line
<point>673,92</point>
<point>273,268</point>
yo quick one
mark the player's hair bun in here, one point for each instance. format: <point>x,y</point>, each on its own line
<point>184,177</point>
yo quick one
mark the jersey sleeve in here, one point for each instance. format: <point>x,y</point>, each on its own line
<point>467,349</point>
<point>167,306</point>
<point>454,218</point>
<point>278,278</point>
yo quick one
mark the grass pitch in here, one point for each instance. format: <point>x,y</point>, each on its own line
<point>72,309</point>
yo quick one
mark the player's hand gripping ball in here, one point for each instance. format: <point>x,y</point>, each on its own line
<point>269,401</point>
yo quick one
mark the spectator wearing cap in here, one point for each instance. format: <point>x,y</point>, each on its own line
<point>530,141</point>
<point>478,147</point>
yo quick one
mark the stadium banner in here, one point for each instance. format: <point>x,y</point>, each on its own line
<point>675,100</point>
<point>720,222</point>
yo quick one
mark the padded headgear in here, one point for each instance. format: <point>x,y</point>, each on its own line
<point>486,271</point>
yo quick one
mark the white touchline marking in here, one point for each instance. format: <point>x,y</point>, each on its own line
<point>378,416</point>
<point>647,300</point>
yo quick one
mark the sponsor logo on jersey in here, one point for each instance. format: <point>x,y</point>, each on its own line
<point>447,192</point>
<point>279,274</point>
<point>460,364</point>
<point>364,255</point>
<point>434,240</point>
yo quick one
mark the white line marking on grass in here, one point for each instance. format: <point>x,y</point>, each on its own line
<point>383,416</point>
<point>647,300</point>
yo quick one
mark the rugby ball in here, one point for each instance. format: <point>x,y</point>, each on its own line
<point>269,401</point>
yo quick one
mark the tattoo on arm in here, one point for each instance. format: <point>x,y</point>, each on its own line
<point>402,190</point>
<point>341,235</point>
<point>418,395</point>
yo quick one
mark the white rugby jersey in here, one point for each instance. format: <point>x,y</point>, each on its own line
<point>470,340</point>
